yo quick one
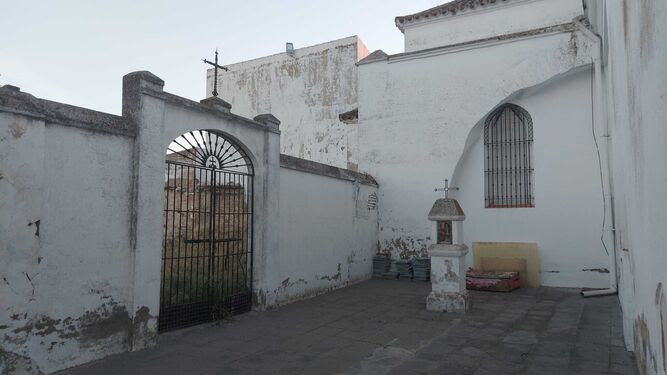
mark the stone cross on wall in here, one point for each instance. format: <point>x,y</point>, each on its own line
<point>446,189</point>
<point>215,72</point>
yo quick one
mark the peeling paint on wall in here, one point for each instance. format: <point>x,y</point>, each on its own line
<point>96,331</point>
<point>599,270</point>
<point>450,275</point>
<point>144,328</point>
<point>14,363</point>
<point>307,92</point>
<point>36,224</point>
<point>646,359</point>
<point>405,247</point>
<point>334,277</point>
<point>661,305</point>
<point>16,130</point>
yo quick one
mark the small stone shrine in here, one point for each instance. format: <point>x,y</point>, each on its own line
<point>448,278</point>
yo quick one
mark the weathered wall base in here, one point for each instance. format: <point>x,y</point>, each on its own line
<point>328,230</point>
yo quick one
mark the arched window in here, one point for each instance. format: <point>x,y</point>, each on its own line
<point>508,171</point>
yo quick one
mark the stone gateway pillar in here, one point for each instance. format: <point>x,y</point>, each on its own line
<point>448,279</point>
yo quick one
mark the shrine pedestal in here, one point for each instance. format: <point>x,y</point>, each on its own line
<point>448,278</point>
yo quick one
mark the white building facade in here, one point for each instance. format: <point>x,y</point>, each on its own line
<point>591,77</point>
<point>420,116</point>
<point>308,90</point>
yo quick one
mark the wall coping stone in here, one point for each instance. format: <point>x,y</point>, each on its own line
<point>449,9</point>
<point>268,120</point>
<point>568,27</point>
<point>308,166</point>
<point>180,101</point>
<point>217,103</point>
<point>12,100</point>
<point>147,83</point>
<point>147,77</point>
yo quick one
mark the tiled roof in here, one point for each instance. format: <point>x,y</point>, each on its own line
<point>451,8</point>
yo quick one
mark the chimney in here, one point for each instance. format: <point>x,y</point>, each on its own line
<point>289,48</point>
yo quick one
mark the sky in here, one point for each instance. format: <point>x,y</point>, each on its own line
<point>77,52</point>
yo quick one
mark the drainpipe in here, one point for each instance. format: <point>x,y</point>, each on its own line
<point>601,123</point>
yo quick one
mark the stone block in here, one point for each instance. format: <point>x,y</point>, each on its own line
<point>448,268</point>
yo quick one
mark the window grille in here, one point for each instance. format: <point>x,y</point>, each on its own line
<point>508,172</point>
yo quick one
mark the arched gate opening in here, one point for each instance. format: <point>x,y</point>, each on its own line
<point>207,246</point>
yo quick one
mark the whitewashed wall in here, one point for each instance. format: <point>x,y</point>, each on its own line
<point>492,19</point>
<point>65,243</point>
<point>416,111</point>
<point>307,92</point>
<point>81,221</point>
<point>634,35</point>
<point>328,234</point>
<point>566,222</point>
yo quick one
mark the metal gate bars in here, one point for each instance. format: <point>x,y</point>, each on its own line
<point>207,245</point>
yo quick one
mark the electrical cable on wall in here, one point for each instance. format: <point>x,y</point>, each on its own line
<point>597,148</point>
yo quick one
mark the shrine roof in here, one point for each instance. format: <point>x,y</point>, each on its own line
<point>446,209</point>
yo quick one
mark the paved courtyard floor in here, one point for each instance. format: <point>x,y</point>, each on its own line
<point>382,327</point>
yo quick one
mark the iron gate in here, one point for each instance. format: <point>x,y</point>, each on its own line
<point>207,246</point>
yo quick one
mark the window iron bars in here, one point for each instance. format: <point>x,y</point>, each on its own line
<point>508,171</point>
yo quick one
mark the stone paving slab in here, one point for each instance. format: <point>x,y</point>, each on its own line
<point>382,327</point>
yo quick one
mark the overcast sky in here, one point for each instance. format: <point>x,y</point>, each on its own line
<point>77,51</point>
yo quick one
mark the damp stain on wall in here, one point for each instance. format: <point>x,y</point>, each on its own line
<point>405,247</point>
<point>97,332</point>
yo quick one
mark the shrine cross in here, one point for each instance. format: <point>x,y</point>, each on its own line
<point>446,189</point>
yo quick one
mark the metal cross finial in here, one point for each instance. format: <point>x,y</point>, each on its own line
<point>215,72</point>
<point>446,189</point>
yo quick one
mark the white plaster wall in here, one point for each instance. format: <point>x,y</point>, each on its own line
<point>86,285</point>
<point>492,20</point>
<point>64,293</point>
<point>635,78</point>
<point>328,235</point>
<point>566,221</point>
<point>417,110</point>
<point>306,92</point>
